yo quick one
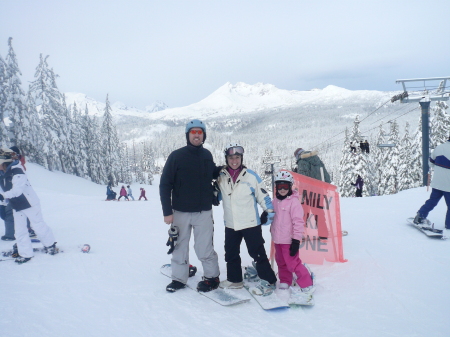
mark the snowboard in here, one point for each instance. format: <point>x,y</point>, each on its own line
<point>428,229</point>
<point>225,297</point>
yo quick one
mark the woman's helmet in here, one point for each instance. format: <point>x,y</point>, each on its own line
<point>284,176</point>
<point>6,155</point>
<point>234,148</point>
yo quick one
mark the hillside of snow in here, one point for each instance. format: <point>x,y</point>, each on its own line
<point>395,283</point>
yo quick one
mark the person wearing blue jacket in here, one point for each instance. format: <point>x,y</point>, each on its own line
<point>440,160</point>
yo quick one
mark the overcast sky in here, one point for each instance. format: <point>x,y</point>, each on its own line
<point>181,51</point>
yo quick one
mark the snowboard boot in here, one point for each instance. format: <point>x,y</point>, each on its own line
<point>264,288</point>
<point>208,284</point>
<point>7,238</point>
<point>31,234</point>
<point>22,260</point>
<point>192,270</point>
<point>231,285</point>
<point>419,219</point>
<point>52,250</point>
<point>251,274</point>
<point>174,286</point>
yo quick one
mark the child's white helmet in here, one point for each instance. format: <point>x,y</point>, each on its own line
<point>284,176</point>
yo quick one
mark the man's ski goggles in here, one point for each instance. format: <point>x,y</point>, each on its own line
<point>283,186</point>
<point>196,131</point>
<point>234,150</point>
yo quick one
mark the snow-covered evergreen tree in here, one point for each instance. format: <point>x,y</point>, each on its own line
<point>4,88</point>
<point>16,105</point>
<point>389,173</point>
<point>405,175</point>
<point>110,145</point>
<point>416,173</point>
<point>346,168</point>
<point>440,124</point>
<point>51,108</point>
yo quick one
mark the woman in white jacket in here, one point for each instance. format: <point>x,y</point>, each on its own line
<point>25,203</point>
<point>241,190</point>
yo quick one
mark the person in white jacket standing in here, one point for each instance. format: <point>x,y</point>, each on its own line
<point>241,190</point>
<point>440,160</point>
<point>25,203</point>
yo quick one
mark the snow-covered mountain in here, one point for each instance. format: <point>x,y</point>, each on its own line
<point>119,109</point>
<point>241,98</point>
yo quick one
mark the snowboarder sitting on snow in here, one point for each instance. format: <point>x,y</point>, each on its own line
<point>123,193</point>
<point>142,194</point>
<point>25,203</point>
<point>110,194</point>
<point>440,160</point>
<point>186,197</point>
<point>241,189</point>
<point>359,185</point>
<point>310,165</point>
<point>288,230</point>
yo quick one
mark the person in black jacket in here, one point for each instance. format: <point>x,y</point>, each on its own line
<point>186,194</point>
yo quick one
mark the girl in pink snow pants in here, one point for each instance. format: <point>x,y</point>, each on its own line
<point>287,230</point>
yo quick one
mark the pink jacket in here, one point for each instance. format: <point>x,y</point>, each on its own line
<point>123,192</point>
<point>288,223</point>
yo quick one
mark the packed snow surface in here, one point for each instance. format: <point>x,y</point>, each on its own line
<point>395,283</point>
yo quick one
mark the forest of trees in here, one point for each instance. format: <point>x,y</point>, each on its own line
<point>65,138</point>
<point>397,165</point>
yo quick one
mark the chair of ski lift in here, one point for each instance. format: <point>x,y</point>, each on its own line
<point>386,145</point>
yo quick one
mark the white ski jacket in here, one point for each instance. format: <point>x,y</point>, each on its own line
<point>240,199</point>
<point>440,160</point>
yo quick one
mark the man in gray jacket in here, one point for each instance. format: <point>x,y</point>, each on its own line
<point>440,160</point>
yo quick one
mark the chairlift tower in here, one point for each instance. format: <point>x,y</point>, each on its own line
<point>271,160</point>
<point>436,90</point>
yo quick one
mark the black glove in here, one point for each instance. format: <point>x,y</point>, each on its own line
<point>216,191</point>
<point>173,236</point>
<point>263,217</point>
<point>295,246</point>
<point>1,197</point>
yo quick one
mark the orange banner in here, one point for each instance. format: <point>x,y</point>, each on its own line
<point>320,202</point>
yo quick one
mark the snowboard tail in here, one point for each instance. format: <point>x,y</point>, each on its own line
<point>427,228</point>
<point>225,297</point>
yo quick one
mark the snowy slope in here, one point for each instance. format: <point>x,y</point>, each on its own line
<point>395,283</point>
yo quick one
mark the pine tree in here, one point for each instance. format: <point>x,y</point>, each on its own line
<point>405,180</point>
<point>16,106</point>
<point>4,88</point>
<point>389,175</point>
<point>50,100</point>
<point>346,168</point>
<point>416,173</point>
<point>35,145</point>
<point>440,125</point>
<point>110,145</point>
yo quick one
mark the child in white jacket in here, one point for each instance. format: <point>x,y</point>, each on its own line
<point>287,230</point>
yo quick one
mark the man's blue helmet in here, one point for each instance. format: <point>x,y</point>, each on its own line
<point>195,123</point>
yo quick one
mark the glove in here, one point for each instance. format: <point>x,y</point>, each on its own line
<point>295,246</point>
<point>216,192</point>
<point>263,218</point>
<point>172,241</point>
<point>2,197</point>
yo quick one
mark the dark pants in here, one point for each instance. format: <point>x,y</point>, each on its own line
<point>255,247</point>
<point>358,192</point>
<point>431,203</point>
